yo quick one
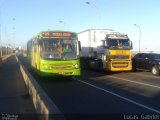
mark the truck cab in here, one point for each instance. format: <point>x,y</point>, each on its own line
<point>105,49</point>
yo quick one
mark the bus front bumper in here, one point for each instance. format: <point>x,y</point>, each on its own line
<point>75,72</point>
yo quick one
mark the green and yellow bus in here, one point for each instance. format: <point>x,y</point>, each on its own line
<point>54,53</point>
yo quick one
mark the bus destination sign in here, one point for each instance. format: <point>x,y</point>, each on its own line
<point>56,34</point>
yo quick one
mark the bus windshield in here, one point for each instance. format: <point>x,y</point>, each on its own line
<point>59,49</point>
<point>119,44</point>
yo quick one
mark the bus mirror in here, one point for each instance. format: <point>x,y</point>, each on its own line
<point>79,45</point>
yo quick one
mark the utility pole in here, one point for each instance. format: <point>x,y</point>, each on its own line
<point>139,36</point>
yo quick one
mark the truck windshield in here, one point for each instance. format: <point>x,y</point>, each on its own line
<point>58,49</point>
<point>119,44</point>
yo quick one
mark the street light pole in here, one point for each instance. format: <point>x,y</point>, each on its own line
<point>139,36</point>
<point>0,41</point>
<point>0,34</point>
<point>1,47</point>
<point>13,19</point>
<point>98,10</point>
<point>64,23</point>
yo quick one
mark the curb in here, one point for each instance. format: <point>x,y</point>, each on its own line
<point>42,102</point>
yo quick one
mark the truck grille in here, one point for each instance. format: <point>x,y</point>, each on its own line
<point>119,56</point>
<point>120,64</point>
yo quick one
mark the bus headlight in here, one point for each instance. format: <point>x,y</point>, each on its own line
<point>76,66</point>
<point>45,66</point>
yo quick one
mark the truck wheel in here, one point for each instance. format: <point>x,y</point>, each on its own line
<point>155,70</point>
<point>100,65</point>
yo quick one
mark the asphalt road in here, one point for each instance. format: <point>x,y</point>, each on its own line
<point>96,95</point>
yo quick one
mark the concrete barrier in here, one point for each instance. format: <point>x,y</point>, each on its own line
<point>44,106</point>
<point>4,58</point>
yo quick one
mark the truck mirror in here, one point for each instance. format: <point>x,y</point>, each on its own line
<point>79,45</point>
<point>131,45</point>
<point>103,43</point>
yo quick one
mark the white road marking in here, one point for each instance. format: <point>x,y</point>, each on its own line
<point>149,76</point>
<point>119,96</point>
<point>135,82</point>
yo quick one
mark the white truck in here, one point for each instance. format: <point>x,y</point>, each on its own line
<point>105,49</point>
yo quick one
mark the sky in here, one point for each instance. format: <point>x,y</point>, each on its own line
<point>20,20</point>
